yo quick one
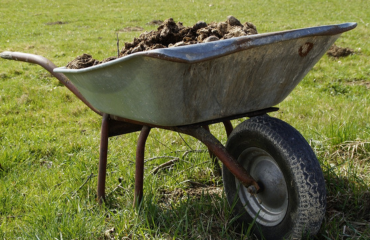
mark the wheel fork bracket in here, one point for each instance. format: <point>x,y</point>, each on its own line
<point>219,150</point>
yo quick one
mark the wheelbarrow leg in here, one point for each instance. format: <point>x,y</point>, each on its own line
<point>139,172</point>
<point>228,127</point>
<point>216,166</point>
<point>103,157</point>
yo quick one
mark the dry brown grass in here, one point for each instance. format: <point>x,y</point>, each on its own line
<point>346,170</point>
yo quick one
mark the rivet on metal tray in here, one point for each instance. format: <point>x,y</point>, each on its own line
<point>305,49</point>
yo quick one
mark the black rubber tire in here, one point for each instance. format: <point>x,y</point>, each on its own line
<point>300,168</point>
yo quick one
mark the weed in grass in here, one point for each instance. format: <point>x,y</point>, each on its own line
<point>4,76</point>
<point>336,88</point>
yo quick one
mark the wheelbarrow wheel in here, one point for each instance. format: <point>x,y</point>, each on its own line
<point>292,200</point>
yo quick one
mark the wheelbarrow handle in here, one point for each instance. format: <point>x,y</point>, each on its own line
<point>49,66</point>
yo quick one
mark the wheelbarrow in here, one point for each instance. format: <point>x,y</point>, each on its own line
<point>271,175</point>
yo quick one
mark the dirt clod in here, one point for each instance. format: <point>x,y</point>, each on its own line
<point>335,51</point>
<point>232,21</point>
<point>83,61</point>
<point>172,34</point>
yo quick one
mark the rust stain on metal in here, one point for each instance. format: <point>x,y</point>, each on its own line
<point>305,49</point>
<point>103,158</point>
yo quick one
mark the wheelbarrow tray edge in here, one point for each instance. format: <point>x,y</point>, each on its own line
<point>206,51</point>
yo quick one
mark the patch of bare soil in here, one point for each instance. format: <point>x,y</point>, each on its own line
<point>335,51</point>
<point>172,34</point>
<point>193,192</point>
<point>359,83</point>
<point>155,22</point>
<point>56,23</point>
<point>198,192</point>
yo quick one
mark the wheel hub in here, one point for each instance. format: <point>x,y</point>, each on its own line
<point>270,205</point>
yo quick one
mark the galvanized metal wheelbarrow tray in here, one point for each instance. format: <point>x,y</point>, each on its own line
<point>197,83</point>
<point>185,89</point>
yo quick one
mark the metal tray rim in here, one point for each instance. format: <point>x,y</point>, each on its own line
<point>205,51</point>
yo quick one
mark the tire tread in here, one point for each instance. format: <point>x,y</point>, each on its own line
<point>307,175</point>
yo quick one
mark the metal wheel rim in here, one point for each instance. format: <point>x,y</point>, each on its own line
<point>268,207</point>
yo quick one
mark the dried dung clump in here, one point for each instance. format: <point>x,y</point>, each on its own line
<point>335,51</point>
<point>172,34</point>
<point>83,61</point>
<point>86,60</point>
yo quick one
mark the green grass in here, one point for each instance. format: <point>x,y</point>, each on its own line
<point>50,140</point>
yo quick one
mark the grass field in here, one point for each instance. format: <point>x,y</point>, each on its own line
<point>50,140</point>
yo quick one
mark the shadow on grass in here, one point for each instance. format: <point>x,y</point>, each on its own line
<point>192,213</point>
<point>348,207</point>
<point>203,213</point>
